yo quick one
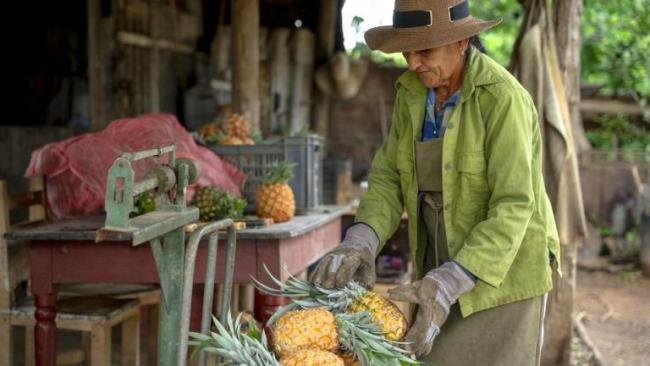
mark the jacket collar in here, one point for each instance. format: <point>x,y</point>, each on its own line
<point>477,73</point>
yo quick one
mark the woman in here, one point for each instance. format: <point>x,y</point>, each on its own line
<point>463,158</point>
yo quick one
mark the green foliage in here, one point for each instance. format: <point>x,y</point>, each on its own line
<point>619,128</point>
<point>616,45</point>
<point>499,40</point>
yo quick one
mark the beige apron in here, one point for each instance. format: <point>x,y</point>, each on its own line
<point>508,335</point>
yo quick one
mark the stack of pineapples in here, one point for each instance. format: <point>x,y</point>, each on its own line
<point>348,326</point>
<point>232,130</point>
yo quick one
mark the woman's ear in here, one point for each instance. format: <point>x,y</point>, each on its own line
<point>462,46</point>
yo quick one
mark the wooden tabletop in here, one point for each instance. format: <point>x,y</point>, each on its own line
<point>84,228</point>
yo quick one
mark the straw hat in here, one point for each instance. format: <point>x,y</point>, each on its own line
<point>342,76</point>
<point>423,24</point>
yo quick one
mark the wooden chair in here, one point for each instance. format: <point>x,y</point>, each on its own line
<point>95,316</point>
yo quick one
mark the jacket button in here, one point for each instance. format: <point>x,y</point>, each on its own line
<point>450,126</point>
<point>447,207</point>
<point>448,166</point>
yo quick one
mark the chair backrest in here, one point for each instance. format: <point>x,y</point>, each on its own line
<point>14,257</point>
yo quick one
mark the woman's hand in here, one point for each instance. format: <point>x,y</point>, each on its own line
<point>353,259</point>
<point>434,294</point>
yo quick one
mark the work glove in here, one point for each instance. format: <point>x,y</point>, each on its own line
<point>352,260</point>
<point>434,294</point>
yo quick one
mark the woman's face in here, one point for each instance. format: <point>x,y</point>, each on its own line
<point>435,66</point>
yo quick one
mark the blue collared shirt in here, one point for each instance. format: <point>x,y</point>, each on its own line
<point>435,122</point>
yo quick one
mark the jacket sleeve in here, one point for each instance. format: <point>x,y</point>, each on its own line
<point>382,205</point>
<point>491,246</point>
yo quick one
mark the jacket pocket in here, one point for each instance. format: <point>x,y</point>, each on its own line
<point>473,191</point>
<point>472,163</point>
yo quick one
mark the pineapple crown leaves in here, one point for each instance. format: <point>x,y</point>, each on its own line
<point>233,344</point>
<point>360,336</point>
<point>306,295</point>
<point>279,172</point>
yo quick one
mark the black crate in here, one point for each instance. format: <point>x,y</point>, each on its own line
<point>307,183</point>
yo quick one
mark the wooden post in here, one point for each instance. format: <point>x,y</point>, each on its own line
<point>325,48</point>
<point>95,67</point>
<point>280,56</point>
<point>245,61</point>
<point>560,307</point>
<point>303,54</point>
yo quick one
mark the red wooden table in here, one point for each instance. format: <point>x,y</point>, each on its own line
<point>65,252</point>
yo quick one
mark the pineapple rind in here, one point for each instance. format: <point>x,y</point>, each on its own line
<point>311,357</point>
<point>275,201</point>
<point>384,313</point>
<point>305,329</point>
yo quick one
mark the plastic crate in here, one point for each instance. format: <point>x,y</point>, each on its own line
<point>307,183</point>
<point>337,181</point>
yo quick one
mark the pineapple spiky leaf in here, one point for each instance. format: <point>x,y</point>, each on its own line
<point>236,346</point>
<point>279,172</point>
<point>359,335</point>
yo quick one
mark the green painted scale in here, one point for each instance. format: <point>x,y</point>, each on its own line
<point>165,229</point>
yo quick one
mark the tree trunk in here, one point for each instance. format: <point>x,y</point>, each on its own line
<point>566,16</point>
<point>559,323</point>
<point>246,59</point>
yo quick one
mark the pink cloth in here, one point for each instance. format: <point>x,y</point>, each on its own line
<point>77,168</point>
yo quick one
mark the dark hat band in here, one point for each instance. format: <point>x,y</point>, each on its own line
<point>419,18</point>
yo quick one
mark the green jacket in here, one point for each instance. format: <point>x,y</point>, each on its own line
<point>497,215</point>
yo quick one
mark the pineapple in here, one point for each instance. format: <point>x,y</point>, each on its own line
<point>145,203</point>
<point>357,336</point>
<point>353,298</point>
<point>302,329</point>
<point>237,125</point>
<point>230,140</point>
<point>240,348</point>
<point>215,204</point>
<point>210,132</point>
<point>274,198</point>
<point>384,313</point>
<point>311,357</point>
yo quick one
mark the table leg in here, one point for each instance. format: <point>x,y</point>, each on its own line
<point>44,302</point>
<point>266,305</point>
<point>45,329</point>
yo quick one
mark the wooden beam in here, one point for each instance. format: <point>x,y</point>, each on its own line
<point>245,61</point>
<point>611,106</point>
<point>144,41</point>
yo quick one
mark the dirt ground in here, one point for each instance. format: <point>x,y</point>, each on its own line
<point>616,309</point>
